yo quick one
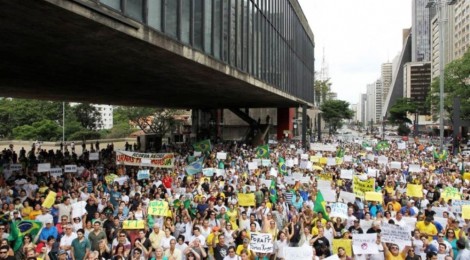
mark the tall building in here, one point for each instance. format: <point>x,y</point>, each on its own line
<point>416,83</point>
<point>361,109</point>
<point>461,27</point>
<point>106,112</point>
<point>448,31</point>
<point>421,30</point>
<point>386,74</point>
<point>374,102</point>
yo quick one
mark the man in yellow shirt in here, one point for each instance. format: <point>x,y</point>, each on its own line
<point>393,253</point>
<point>427,228</point>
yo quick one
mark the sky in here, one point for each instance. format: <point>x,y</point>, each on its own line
<point>355,37</point>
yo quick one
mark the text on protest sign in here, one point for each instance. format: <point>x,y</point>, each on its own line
<point>451,193</point>
<point>365,244</point>
<point>360,187</point>
<point>44,167</point>
<point>16,167</point>
<point>70,168</point>
<point>261,243</point>
<point>339,210</point>
<point>158,208</point>
<point>94,156</point>
<point>56,172</point>
<point>143,175</point>
<point>158,160</point>
<point>133,224</point>
<point>395,234</point>
<point>457,205</point>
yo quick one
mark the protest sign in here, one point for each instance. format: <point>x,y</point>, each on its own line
<point>158,160</point>
<point>94,156</point>
<point>315,159</point>
<point>414,168</point>
<point>70,168</point>
<point>323,184</point>
<point>304,156</point>
<point>265,162</point>
<point>323,147</point>
<point>331,161</point>
<point>332,257</point>
<point>441,210</point>
<point>110,178</point>
<point>457,205</point>
<point>346,174</point>
<point>197,153</point>
<point>323,160</point>
<point>121,180</point>
<point>56,172</point>
<point>372,172</point>
<point>395,165</point>
<point>143,175</point>
<point>133,224</point>
<point>325,177</point>
<point>365,244</point>
<point>221,156</point>
<point>50,199</point>
<point>347,158</point>
<point>338,210</point>
<point>450,193</point>
<point>304,252</point>
<point>347,196</point>
<point>219,172</point>
<point>289,163</point>
<point>382,159</point>
<point>373,196</point>
<point>246,199</point>
<point>370,157</point>
<point>44,167</point>
<point>158,208</point>
<point>360,187</point>
<point>261,243</point>
<point>209,172</point>
<point>410,222</point>
<point>365,224</point>
<point>344,243</point>
<point>466,211</point>
<point>401,145</point>
<point>395,234</point>
<point>329,194</point>
<point>414,190</point>
<point>273,172</point>
<point>442,221</point>
<point>16,167</point>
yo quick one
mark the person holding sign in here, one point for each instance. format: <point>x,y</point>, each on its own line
<point>393,253</point>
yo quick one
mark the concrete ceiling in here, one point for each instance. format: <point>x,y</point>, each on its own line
<point>50,53</point>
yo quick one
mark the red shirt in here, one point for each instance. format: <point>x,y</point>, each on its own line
<point>167,182</point>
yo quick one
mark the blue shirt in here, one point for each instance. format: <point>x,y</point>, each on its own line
<point>46,232</point>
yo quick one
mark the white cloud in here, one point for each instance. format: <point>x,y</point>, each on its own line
<point>357,36</point>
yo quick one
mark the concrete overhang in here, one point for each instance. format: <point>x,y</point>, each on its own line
<point>81,51</point>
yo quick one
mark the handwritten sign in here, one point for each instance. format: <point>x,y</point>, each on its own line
<point>395,234</point>
<point>451,193</point>
<point>457,205</point>
<point>304,252</point>
<point>44,167</point>
<point>143,175</point>
<point>158,208</point>
<point>347,196</point>
<point>261,243</point>
<point>339,210</point>
<point>133,224</point>
<point>56,172</point>
<point>414,190</point>
<point>70,168</point>
<point>110,178</point>
<point>158,160</point>
<point>265,162</point>
<point>360,187</point>
<point>374,196</point>
<point>346,174</point>
<point>94,156</point>
<point>16,167</point>
<point>246,199</point>
<point>466,211</point>
<point>221,156</point>
<point>382,160</point>
<point>395,165</point>
<point>365,244</point>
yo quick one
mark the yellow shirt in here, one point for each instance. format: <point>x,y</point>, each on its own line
<point>389,189</point>
<point>156,239</point>
<point>314,231</point>
<point>240,249</point>
<point>314,222</point>
<point>34,213</point>
<point>396,205</point>
<point>400,256</point>
<point>430,229</point>
<point>25,212</point>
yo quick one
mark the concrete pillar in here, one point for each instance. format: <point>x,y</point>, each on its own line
<point>285,117</point>
<point>304,126</point>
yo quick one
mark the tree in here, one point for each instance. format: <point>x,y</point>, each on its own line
<point>88,116</point>
<point>398,115</point>
<point>334,111</point>
<point>456,84</point>
<point>322,89</point>
<point>44,130</point>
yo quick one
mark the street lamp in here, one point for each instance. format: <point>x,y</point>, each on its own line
<point>441,7</point>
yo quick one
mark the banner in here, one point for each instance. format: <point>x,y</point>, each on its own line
<point>209,172</point>
<point>374,196</point>
<point>347,196</point>
<point>414,190</point>
<point>94,156</point>
<point>304,252</point>
<point>339,210</point>
<point>261,243</point>
<point>133,224</point>
<point>395,234</point>
<point>70,168</point>
<point>365,244</point>
<point>110,178</point>
<point>158,208</point>
<point>266,162</point>
<point>457,205</point>
<point>344,243</point>
<point>246,199</point>
<point>159,160</point>
<point>44,167</point>
<point>346,174</point>
<point>451,193</point>
<point>50,199</point>
<point>323,147</point>
<point>143,175</point>
<point>56,172</point>
<point>360,187</point>
<point>221,156</point>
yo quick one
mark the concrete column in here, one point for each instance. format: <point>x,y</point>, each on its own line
<point>304,126</point>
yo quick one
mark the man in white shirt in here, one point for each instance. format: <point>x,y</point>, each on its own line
<point>67,238</point>
<point>45,217</point>
<point>398,219</point>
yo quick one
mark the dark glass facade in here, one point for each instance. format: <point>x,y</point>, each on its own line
<point>264,38</point>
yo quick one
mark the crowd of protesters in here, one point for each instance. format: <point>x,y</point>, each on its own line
<point>213,225</point>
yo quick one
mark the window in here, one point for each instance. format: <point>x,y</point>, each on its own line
<point>171,17</point>
<point>134,9</point>
<point>155,14</point>
<point>116,4</point>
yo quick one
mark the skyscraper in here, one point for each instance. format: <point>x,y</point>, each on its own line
<point>421,31</point>
<point>386,74</point>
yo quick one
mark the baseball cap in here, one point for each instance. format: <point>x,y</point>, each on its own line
<point>61,252</point>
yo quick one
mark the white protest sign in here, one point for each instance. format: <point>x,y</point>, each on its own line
<point>252,166</point>
<point>121,180</point>
<point>442,221</point>
<point>382,159</point>
<point>303,164</point>
<point>414,168</point>
<point>339,210</point>
<point>323,147</point>
<point>309,166</point>
<point>70,168</point>
<point>289,163</point>
<point>365,244</point>
<point>273,172</point>
<point>222,156</point>
<point>220,172</point>
<point>329,194</point>
<point>44,167</point>
<point>304,252</point>
<point>304,156</point>
<point>331,161</point>
<point>346,174</point>
<point>267,183</point>
<point>366,224</point>
<point>347,196</point>
<point>440,212</point>
<point>370,157</point>
<point>78,209</point>
<point>257,161</point>
<point>347,158</point>
<point>143,175</point>
<point>372,172</point>
<point>296,161</point>
<point>401,145</point>
<point>332,257</point>
<point>457,205</point>
<point>209,172</point>
<point>395,165</point>
<point>94,156</point>
<point>56,172</point>
<point>323,184</point>
<point>292,146</point>
<point>300,151</point>
<point>261,243</point>
<point>145,162</point>
<point>289,180</point>
<point>395,234</point>
<point>16,167</point>
<point>197,153</point>
<point>266,162</point>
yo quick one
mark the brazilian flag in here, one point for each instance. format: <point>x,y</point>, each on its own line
<point>262,151</point>
<point>273,192</point>
<point>195,166</point>
<point>19,229</point>
<point>365,144</point>
<point>282,166</point>
<point>440,156</point>
<point>320,205</point>
<point>340,152</point>
<point>382,145</point>
<point>203,146</point>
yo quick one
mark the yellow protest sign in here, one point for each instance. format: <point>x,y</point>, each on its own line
<point>247,199</point>
<point>374,196</point>
<point>133,224</point>
<point>325,176</point>
<point>110,178</point>
<point>323,160</point>
<point>414,190</point>
<point>158,208</point>
<point>466,176</point>
<point>339,160</point>
<point>466,211</point>
<point>451,193</point>
<point>344,243</point>
<point>50,199</point>
<point>360,187</point>
<point>314,159</point>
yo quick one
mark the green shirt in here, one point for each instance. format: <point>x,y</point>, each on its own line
<point>80,248</point>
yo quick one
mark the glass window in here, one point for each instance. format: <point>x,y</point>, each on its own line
<point>134,9</point>
<point>154,17</point>
<point>198,23</point>
<point>171,17</point>
<point>185,20</point>
<point>233,31</point>
<point>116,4</point>
<point>239,33</point>
<point>208,26</point>
<point>226,20</point>
<point>217,27</point>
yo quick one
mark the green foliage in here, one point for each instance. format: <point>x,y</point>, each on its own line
<point>322,89</point>
<point>87,115</point>
<point>456,84</point>
<point>398,112</point>
<point>84,135</point>
<point>157,121</point>
<point>44,130</point>
<point>403,130</point>
<point>334,111</point>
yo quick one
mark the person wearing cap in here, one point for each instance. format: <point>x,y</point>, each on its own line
<point>356,228</point>
<point>67,238</point>
<point>62,255</point>
<point>47,231</point>
<point>427,228</point>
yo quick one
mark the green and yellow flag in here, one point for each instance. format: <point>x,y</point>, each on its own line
<point>273,192</point>
<point>282,166</point>
<point>382,145</point>
<point>203,146</point>
<point>320,205</point>
<point>19,229</point>
<point>262,151</point>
